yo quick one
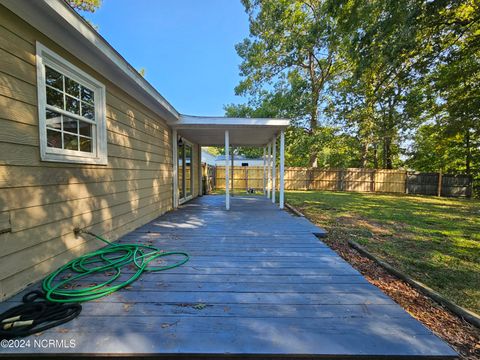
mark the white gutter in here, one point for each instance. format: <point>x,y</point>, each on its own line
<point>221,121</point>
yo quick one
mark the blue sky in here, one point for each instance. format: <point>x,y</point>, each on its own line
<point>185,46</point>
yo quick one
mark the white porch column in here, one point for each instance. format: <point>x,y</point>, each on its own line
<point>282,169</point>
<point>175,169</point>
<point>264,174</point>
<point>233,169</point>
<point>200,171</point>
<point>274,167</point>
<point>227,170</point>
<point>268,169</point>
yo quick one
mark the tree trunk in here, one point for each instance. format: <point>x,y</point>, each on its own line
<point>365,147</point>
<point>388,130</point>
<point>468,157</point>
<point>387,152</point>
<point>315,95</point>
<point>375,155</point>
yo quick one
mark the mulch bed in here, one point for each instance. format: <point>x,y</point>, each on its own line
<point>462,336</point>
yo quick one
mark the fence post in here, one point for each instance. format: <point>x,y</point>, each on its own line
<point>342,180</point>
<point>310,178</point>
<point>372,185</point>
<point>439,189</point>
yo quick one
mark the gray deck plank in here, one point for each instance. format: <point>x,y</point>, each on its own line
<point>258,283</point>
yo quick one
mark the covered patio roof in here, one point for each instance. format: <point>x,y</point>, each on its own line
<point>210,131</point>
<point>231,131</point>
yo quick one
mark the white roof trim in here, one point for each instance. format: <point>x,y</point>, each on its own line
<point>32,12</point>
<point>220,121</point>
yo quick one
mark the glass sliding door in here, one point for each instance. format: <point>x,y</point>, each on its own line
<point>188,170</point>
<point>180,172</point>
<point>185,170</point>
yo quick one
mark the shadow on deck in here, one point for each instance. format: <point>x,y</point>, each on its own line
<point>258,283</point>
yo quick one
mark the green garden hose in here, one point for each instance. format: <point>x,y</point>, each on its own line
<point>65,284</point>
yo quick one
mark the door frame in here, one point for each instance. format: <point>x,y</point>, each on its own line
<point>183,183</point>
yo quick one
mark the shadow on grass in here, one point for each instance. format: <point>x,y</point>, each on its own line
<point>435,240</point>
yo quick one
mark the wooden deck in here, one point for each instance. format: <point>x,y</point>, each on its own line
<point>259,283</point>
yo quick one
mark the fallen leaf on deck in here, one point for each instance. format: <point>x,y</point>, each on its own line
<point>199,306</point>
<point>166,325</point>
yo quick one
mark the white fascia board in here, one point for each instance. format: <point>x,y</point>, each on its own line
<point>62,24</point>
<point>205,121</point>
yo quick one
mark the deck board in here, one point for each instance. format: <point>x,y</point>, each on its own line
<point>259,282</point>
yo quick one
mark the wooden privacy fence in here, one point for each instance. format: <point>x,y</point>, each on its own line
<point>439,184</point>
<point>209,178</point>
<point>358,180</point>
<point>244,177</point>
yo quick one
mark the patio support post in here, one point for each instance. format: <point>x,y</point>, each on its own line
<point>200,171</point>
<point>268,169</point>
<point>227,170</point>
<point>233,167</point>
<point>175,168</point>
<point>274,167</point>
<point>264,174</point>
<point>282,169</point>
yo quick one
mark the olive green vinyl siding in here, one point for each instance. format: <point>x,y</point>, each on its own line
<point>42,202</point>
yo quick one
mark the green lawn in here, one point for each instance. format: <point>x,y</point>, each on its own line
<point>434,240</point>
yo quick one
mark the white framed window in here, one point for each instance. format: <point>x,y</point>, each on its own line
<point>71,109</point>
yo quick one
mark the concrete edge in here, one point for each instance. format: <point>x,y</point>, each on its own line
<point>461,312</point>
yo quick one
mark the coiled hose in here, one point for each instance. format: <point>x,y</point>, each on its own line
<point>35,315</point>
<point>67,284</point>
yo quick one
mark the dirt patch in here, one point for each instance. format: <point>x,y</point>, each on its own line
<point>462,336</point>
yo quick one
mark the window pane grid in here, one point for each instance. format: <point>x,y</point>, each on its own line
<point>73,106</point>
<point>76,99</point>
<point>64,138</point>
<point>83,106</point>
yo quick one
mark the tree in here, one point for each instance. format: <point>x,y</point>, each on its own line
<point>289,50</point>
<point>142,71</point>
<point>436,148</point>
<point>378,70</point>
<point>332,148</point>
<point>376,84</point>
<point>85,5</point>
<point>456,79</point>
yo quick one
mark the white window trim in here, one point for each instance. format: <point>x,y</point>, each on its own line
<point>99,139</point>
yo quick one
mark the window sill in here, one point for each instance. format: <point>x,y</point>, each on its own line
<point>74,159</point>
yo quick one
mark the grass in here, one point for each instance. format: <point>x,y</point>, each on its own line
<point>434,240</point>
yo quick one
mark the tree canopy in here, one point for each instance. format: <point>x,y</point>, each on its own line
<point>371,83</point>
<point>85,5</point>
